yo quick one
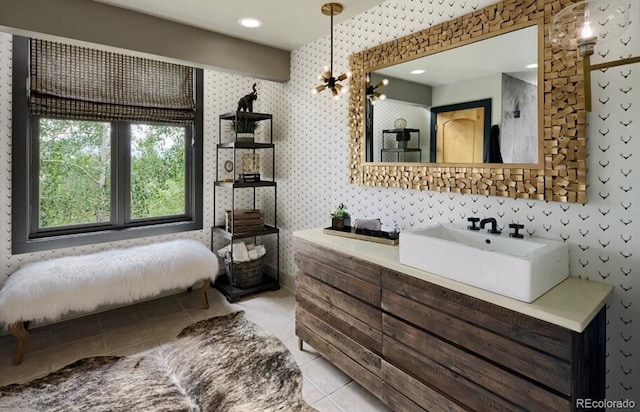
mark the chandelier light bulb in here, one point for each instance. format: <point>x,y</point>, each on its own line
<point>382,96</point>
<point>586,32</point>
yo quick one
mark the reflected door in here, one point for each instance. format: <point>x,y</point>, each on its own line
<point>460,136</point>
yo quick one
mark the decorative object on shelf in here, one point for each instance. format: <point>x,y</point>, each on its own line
<point>399,123</point>
<point>244,221</point>
<point>329,81</point>
<point>385,238</point>
<point>244,263</point>
<point>250,167</point>
<point>583,24</point>
<point>340,218</point>
<point>372,94</point>
<point>403,137</point>
<point>243,128</point>
<point>228,167</point>
<point>246,102</point>
<point>368,226</point>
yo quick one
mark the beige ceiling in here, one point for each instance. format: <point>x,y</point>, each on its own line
<point>288,24</point>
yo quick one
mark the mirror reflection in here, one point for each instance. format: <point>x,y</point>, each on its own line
<point>473,104</point>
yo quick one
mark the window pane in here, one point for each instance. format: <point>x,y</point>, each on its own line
<point>157,171</point>
<point>75,172</point>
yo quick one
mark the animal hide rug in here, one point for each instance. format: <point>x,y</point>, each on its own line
<point>224,363</point>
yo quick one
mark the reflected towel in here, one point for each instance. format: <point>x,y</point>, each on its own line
<point>492,154</point>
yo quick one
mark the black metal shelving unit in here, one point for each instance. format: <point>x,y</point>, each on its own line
<point>268,282</point>
<point>399,150</point>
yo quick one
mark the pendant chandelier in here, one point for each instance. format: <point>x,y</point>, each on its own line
<point>328,80</point>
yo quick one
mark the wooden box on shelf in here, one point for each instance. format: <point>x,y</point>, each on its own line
<point>244,221</point>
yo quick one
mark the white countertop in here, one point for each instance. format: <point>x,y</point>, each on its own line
<point>572,304</point>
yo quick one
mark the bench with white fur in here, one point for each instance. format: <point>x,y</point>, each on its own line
<point>47,290</point>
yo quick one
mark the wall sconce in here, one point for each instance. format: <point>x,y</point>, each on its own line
<point>516,111</point>
<point>583,24</point>
<point>328,80</point>
<point>371,92</point>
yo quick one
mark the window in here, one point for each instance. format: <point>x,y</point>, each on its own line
<point>118,166</point>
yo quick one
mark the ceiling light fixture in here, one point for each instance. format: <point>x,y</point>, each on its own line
<point>531,66</point>
<point>583,24</point>
<point>250,22</point>
<point>329,81</point>
<point>418,71</point>
<point>372,94</point>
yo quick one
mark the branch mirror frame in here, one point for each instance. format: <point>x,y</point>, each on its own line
<point>560,175</point>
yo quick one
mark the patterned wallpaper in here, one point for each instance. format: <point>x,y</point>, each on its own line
<point>311,134</point>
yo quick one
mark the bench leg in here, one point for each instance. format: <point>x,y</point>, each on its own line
<point>19,331</point>
<point>203,293</point>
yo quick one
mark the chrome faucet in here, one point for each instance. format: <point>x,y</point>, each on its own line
<point>494,225</point>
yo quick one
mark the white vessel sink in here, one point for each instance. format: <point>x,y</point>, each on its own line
<point>522,269</point>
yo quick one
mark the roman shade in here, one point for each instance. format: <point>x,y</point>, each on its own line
<point>82,83</point>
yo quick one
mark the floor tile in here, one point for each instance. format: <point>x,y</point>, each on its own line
<point>324,375</point>
<point>34,365</point>
<point>354,398</point>
<point>326,405</point>
<point>301,356</point>
<point>85,348</point>
<point>127,336</point>
<point>310,392</point>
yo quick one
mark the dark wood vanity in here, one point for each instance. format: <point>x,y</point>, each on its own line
<point>420,346</point>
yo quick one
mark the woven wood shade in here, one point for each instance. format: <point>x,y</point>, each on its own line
<point>78,82</point>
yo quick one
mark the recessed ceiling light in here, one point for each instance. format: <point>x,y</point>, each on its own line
<point>249,22</point>
<point>419,71</point>
<point>532,66</point>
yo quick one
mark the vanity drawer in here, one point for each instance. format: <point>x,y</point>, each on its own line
<point>355,267</point>
<point>402,392</point>
<point>353,359</point>
<point>367,314</point>
<point>548,338</point>
<point>349,316</point>
<point>344,343</point>
<point>341,279</point>
<point>473,381</point>
<point>440,312</point>
<point>366,335</point>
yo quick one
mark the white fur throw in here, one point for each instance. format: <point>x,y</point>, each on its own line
<point>47,290</point>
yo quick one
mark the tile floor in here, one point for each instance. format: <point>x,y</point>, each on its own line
<point>142,326</point>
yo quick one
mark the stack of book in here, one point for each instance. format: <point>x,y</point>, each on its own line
<point>243,221</point>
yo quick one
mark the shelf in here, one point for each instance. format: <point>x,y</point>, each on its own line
<point>245,115</point>
<point>233,293</point>
<point>268,230</point>
<point>236,185</point>
<point>400,130</point>
<point>408,149</point>
<point>245,145</point>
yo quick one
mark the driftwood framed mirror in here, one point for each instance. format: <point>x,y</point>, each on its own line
<point>557,172</point>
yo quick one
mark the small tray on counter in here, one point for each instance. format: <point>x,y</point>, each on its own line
<point>387,238</point>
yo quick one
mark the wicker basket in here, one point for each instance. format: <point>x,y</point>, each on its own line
<point>244,274</point>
